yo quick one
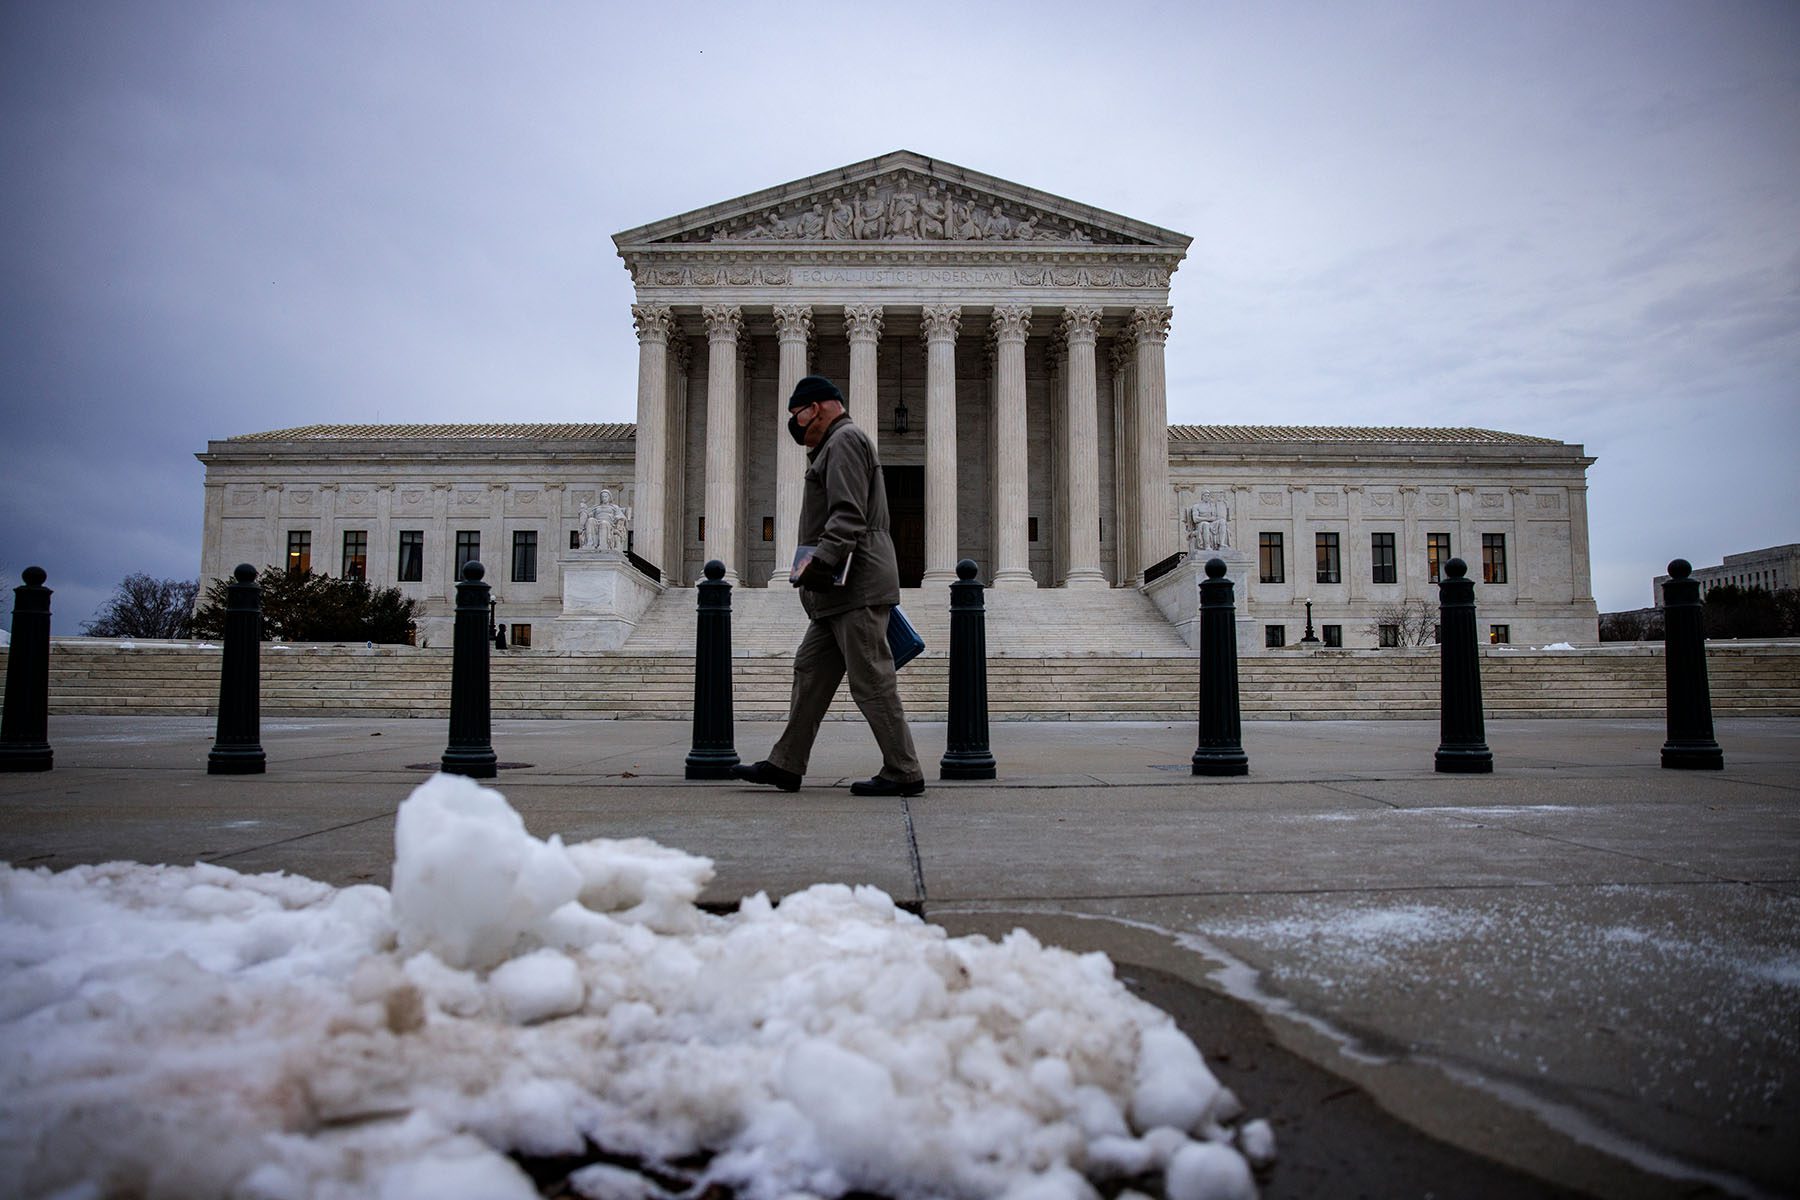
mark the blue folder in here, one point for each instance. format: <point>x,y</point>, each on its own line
<point>903,639</point>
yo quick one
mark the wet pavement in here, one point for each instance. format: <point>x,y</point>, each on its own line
<point>1582,967</point>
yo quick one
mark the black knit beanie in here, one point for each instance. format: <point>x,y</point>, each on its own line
<point>813,389</point>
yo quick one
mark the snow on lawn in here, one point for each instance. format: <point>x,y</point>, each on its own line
<point>193,1032</point>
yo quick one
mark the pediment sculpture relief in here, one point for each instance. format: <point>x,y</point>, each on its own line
<point>900,208</point>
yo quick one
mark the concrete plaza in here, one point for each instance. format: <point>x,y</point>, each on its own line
<point>1582,967</point>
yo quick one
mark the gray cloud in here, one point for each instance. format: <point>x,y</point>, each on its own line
<point>1577,221</point>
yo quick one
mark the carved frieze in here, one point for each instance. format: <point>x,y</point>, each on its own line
<point>828,274</point>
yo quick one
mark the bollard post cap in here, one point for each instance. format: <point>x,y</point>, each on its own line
<point>714,569</point>
<point>1215,568</point>
<point>1681,568</point>
<point>245,573</point>
<point>967,570</point>
<point>1456,568</point>
<point>473,571</point>
<point>33,576</point>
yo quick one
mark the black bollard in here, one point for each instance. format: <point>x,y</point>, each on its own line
<point>1688,697</point>
<point>713,755</point>
<point>1221,747</point>
<point>1462,746</point>
<point>471,749</point>
<point>25,719</point>
<point>966,752</point>
<point>237,748</point>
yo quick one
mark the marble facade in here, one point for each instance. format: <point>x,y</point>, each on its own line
<point>1004,346</point>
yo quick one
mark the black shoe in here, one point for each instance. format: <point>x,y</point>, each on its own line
<point>883,786</point>
<point>767,772</point>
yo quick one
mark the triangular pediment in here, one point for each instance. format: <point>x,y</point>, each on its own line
<point>903,198</point>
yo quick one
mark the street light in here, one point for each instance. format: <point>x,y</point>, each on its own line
<point>1309,629</point>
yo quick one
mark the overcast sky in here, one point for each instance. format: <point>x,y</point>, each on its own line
<point>1577,220</point>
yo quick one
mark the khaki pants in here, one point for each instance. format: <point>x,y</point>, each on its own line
<point>853,642</point>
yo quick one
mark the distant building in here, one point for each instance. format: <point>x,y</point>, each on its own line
<point>1771,569</point>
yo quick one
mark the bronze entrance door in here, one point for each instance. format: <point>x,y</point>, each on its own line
<point>906,514</point>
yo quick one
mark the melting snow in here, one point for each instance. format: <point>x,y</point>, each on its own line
<point>195,1032</point>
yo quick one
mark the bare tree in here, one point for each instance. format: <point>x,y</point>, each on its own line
<point>1415,621</point>
<point>147,608</point>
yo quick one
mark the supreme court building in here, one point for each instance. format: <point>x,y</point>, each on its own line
<point>1005,349</point>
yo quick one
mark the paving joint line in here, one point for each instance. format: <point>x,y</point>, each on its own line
<point>912,849</point>
<point>1394,889</point>
<point>298,837</point>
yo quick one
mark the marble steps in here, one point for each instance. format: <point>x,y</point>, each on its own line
<point>395,681</point>
<point>1018,622</point>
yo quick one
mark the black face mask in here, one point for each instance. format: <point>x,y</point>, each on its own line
<point>797,431</point>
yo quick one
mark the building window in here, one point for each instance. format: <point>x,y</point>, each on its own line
<point>1499,635</point>
<point>1326,545</point>
<point>299,556</point>
<point>1274,636</point>
<point>1334,636</point>
<point>524,556</point>
<point>521,637</point>
<point>768,529</point>
<point>356,554</point>
<point>1032,530</point>
<point>574,539</point>
<point>1493,558</point>
<point>701,535</point>
<point>1388,635</point>
<point>468,549</point>
<point>412,555</point>
<point>1437,553</point>
<point>1381,559</point>
<point>1271,561</point>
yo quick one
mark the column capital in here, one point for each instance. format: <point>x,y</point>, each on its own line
<point>654,322</point>
<point>1150,324</point>
<point>941,322</point>
<point>793,322</point>
<point>1081,324</point>
<point>724,322</point>
<point>1011,324</point>
<point>862,322</point>
<point>1120,358</point>
<point>680,354</point>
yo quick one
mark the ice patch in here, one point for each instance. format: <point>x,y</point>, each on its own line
<point>197,1032</point>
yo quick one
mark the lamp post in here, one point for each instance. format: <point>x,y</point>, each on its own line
<point>1309,626</point>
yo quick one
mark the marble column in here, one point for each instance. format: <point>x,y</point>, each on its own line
<point>1081,326</point>
<point>862,325</point>
<point>1125,457</point>
<point>1011,326</point>
<point>941,323</point>
<point>724,325</point>
<point>793,326</point>
<point>675,528</point>
<point>1156,538</point>
<point>654,323</point>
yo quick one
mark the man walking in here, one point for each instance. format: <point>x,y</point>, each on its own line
<point>844,517</point>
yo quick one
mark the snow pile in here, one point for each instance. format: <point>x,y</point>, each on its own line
<point>194,1032</point>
